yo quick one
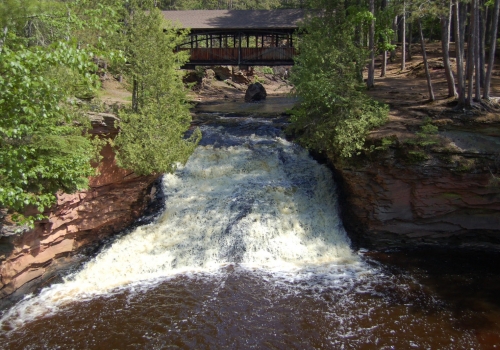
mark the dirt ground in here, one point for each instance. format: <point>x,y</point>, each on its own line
<point>227,90</point>
<point>407,94</point>
<point>113,92</point>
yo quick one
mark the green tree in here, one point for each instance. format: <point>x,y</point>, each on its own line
<point>47,49</point>
<point>334,114</point>
<point>228,4</point>
<point>151,139</point>
<point>43,147</point>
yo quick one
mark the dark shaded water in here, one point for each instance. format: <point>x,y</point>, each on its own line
<point>449,306</point>
<point>250,253</point>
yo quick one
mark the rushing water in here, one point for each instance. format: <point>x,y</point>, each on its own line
<point>249,253</point>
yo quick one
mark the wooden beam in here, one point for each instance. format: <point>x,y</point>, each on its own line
<point>239,49</point>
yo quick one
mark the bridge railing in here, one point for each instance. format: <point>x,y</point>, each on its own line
<point>241,55</point>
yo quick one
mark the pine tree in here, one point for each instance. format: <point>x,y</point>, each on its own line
<point>151,138</point>
<point>335,114</point>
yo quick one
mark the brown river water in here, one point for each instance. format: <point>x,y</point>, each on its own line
<point>249,252</point>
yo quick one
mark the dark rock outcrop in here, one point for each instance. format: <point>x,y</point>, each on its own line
<point>255,92</point>
<point>233,73</point>
<point>223,72</point>
<point>390,203</point>
<point>240,78</point>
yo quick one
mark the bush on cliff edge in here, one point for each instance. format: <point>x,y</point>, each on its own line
<point>335,114</point>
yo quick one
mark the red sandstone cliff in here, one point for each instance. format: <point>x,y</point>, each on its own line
<point>114,200</point>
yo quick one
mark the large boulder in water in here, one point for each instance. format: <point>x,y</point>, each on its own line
<point>255,92</point>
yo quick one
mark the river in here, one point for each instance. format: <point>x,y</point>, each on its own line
<point>249,252</point>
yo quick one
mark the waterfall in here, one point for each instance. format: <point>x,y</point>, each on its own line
<point>257,201</point>
<point>249,252</point>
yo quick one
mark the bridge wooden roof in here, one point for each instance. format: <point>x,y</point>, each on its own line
<point>236,19</point>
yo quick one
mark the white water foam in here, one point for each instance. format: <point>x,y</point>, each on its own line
<point>262,205</point>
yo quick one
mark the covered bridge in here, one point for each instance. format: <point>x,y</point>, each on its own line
<point>239,37</point>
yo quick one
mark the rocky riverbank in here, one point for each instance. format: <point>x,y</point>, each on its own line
<point>390,202</point>
<point>433,176</point>
<point>114,200</point>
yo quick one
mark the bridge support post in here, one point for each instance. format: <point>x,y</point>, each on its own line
<point>239,48</point>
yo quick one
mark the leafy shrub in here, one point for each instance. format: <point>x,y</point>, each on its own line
<point>335,114</point>
<point>43,146</point>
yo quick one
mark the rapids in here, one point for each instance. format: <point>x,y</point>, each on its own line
<point>249,252</point>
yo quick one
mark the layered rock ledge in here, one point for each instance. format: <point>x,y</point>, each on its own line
<point>450,199</point>
<point>114,200</point>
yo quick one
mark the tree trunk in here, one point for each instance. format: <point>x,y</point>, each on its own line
<point>383,71</point>
<point>488,25</point>
<point>370,82</point>
<point>445,44</point>
<point>491,58</point>
<point>135,93</point>
<point>477,59</point>
<point>403,43</point>
<point>467,34</point>
<point>464,30</point>
<point>410,30</point>
<point>482,42</point>
<point>470,54</point>
<point>426,65</point>
<point>459,54</point>
<point>384,53</point>
<point>357,40</point>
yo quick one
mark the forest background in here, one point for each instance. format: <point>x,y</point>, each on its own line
<point>51,53</point>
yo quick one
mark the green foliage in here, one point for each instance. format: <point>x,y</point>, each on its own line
<point>384,145</point>
<point>220,5</point>
<point>267,70</point>
<point>88,23</point>
<point>334,114</point>
<point>417,156</point>
<point>256,79</point>
<point>151,131</point>
<point>419,146</point>
<point>426,136</point>
<point>383,29</point>
<point>152,141</point>
<point>152,63</point>
<point>42,149</point>
<point>12,10</point>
